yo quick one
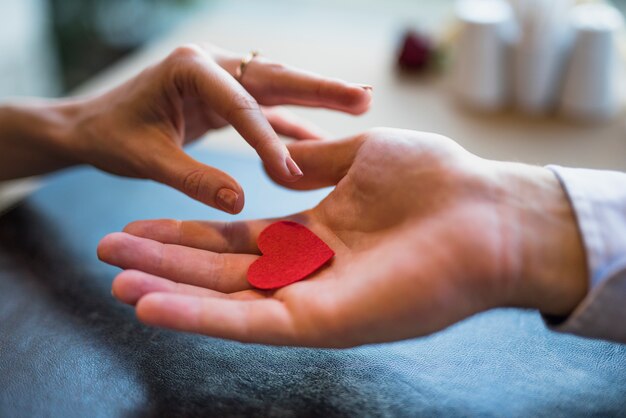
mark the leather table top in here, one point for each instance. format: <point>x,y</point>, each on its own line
<point>67,348</point>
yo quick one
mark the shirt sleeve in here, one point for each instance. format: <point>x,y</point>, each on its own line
<point>12,192</point>
<point>599,202</point>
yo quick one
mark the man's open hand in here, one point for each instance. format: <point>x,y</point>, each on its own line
<point>425,234</point>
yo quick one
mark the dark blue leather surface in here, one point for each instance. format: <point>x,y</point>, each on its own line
<point>67,348</point>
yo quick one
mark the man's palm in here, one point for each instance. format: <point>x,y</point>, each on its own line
<point>408,219</point>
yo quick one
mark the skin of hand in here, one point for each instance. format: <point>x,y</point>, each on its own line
<point>425,234</point>
<point>139,128</point>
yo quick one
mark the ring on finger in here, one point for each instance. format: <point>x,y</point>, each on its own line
<point>243,65</point>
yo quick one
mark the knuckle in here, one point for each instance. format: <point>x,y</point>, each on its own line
<point>187,51</point>
<point>275,72</point>
<point>276,68</point>
<point>193,183</point>
<point>183,59</point>
<point>179,227</point>
<point>181,63</point>
<point>246,331</point>
<point>229,234</point>
<point>217,266</point>
<point>241,102</point>
<point>320,88</point>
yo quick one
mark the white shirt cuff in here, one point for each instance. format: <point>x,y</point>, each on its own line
<point>599,202</point>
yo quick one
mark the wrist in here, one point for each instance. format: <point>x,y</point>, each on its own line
<point>550,272</point>
<point>36,137</point>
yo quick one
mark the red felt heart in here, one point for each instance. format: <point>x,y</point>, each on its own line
<point>291,252</point>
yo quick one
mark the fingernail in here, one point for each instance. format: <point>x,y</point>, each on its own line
<point>365,86</point>
<point>227,199</point>
<point>293,167</point>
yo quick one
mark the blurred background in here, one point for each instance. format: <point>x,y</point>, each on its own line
<point>52,48</point>
<point>48,47</point>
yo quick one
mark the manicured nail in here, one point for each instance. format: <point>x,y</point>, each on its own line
<point>365,86</point>
<point>293,167</point>
<point>227,199</point>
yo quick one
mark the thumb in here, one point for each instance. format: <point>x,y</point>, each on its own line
<point>199,181</point>
<point>324,163</point>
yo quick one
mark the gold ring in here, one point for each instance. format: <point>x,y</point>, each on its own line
<point>245,61</point>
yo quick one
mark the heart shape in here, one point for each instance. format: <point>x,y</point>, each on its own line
<point>291,252</point>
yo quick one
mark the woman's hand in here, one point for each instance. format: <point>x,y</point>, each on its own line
<point>425,234</point>
<point>138,129</point>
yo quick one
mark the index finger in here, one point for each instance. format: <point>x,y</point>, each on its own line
<point>272,83</point>
<point>198,75</point>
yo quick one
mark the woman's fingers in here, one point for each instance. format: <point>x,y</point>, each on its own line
<point>289,124</point>
<point>221,272</point>
<point>131,285</point>
<point>198,76</point>
<point>266,321</point>
<point>273,84</point>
